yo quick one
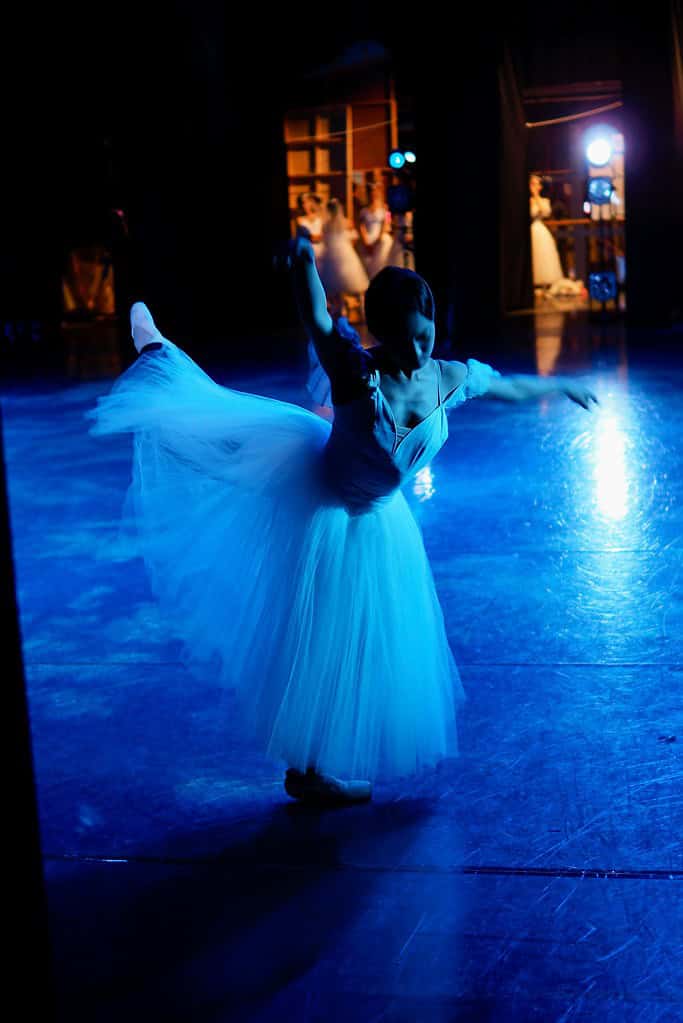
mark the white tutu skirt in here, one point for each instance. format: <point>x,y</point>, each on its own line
<point>376,258</point>
<point>340,267</point>
<point>326,624</point>
<point>546,265</point>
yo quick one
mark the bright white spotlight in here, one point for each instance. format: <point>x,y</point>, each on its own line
<point>410,156</point>
<point>599,151</point>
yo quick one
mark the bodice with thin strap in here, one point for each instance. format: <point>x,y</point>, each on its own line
<point>403,431</point>
<point>368,456</point>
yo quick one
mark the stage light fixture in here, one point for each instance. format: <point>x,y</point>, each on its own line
<point>400,198</point>
<point>599,144</point>
<point>410,156</point>
<point>599,152</point>
<point>602,286</point>
<point>600,191</point>
<point>396,159</point>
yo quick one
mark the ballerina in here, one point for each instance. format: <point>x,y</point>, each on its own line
<point>281,547</point>
<point>341,270</point>
<point>376,242</point>
<point>546,265</point>
<point>309,221</point>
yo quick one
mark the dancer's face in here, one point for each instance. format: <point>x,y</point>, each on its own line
<point>416,344</point>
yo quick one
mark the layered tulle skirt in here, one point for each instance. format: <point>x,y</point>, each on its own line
<point>325,623</point>
<point>340,267</point>
<point>545,258</point>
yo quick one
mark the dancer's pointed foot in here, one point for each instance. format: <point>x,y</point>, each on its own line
<point>142,327</point>
<point>323,789</point>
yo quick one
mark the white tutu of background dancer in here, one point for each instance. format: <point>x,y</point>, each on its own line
<point>309,222</point>
<point>545,259</point>
<point>377,246</point>
<point>282,549</point>
<point>339,265</point>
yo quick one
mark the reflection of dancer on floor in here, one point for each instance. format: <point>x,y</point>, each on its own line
<point>281,547</point>
<point>341,270</point>
<point>544,255</point>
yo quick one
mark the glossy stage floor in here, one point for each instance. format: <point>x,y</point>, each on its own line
<point>539,876</point>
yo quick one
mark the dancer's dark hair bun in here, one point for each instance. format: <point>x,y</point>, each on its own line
<point>394,293</point>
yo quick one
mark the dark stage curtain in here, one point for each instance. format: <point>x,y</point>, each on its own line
<point>515,236</point>
<point>457,218</point>
<point>29,970</point>
<point>676,13</point>
<point>677,76</point>
<point>472,224</point>
<point>651,80</point>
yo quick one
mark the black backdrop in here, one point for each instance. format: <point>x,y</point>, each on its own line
<point>169,112</point>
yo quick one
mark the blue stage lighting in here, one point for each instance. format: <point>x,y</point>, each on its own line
<point>396,159</point>
<point>400,198</point>
<point>602,286</point>
<point>600,191</point>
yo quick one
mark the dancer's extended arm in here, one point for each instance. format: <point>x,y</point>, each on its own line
<point>525,388</point>
<point>520,387</point>
<point>310,296</point>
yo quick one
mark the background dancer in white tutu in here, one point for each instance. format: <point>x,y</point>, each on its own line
<point>341,270</point>
<point>545,258</point>
<point>374,222</point>
<point>309,222</point>
<point>282,548</point>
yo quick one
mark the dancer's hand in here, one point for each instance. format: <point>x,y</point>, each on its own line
<point>580,394</point>
<point>294,251</point>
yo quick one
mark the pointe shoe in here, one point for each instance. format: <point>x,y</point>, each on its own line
<point>312,787</point>
<point>143,328</point>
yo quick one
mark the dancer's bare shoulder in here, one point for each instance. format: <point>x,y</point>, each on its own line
<point>452,373</point>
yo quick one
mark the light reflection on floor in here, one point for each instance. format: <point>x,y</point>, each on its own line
<point>610,468</point>
<point>423,484</point>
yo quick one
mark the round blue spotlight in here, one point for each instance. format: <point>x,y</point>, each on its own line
<point>396,159</point>
<point>410,156</point>
<point>600,191</point>
<point>602,286</point>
